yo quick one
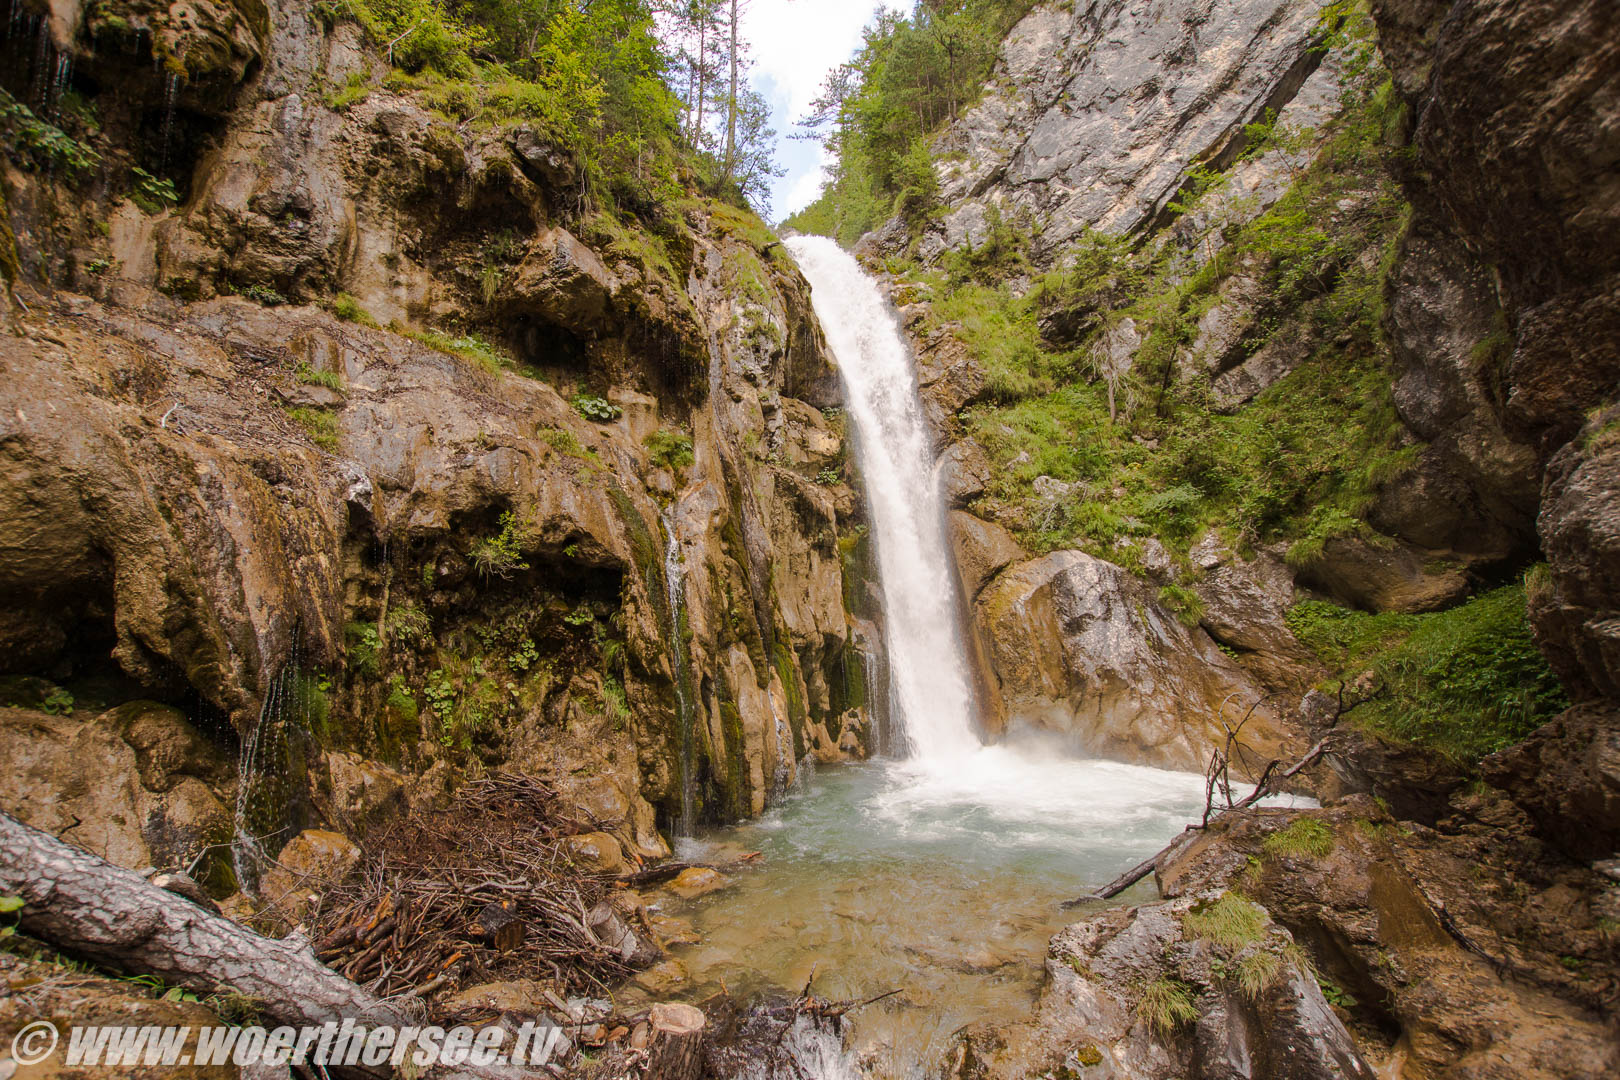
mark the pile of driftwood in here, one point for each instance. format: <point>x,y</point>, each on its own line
<point>482,891</point>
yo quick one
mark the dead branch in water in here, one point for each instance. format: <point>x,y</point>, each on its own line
<point>1217,777</point>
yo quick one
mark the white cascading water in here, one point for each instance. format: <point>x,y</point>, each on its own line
<point>927,662</point>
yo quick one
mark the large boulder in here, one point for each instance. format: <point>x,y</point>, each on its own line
<point>1380,574</point>
<point>982,550</point>
<point>1151,993</point>
<point>1079,647</point>
<point>1576,612</point>
<point>1245,608</point>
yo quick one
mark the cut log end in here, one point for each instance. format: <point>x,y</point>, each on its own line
<point>675,1050</point>
<point>502,929</point>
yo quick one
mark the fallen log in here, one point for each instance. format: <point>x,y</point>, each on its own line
<point>87,907</point>
<point>1269,782</point>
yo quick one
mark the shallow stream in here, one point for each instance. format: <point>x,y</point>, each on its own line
<point>944,884</point>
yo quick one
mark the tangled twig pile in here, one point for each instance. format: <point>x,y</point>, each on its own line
<point>482,890</point>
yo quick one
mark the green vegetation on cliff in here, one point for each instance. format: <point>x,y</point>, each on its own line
<point>595,79</point>
<point>1145,446</point>
<point>1467,682</point>
<point>877,113</point>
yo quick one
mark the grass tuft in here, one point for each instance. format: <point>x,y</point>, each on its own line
<point>1231,922</point>
<point>1301,837</point>
<point>1165,1005</point>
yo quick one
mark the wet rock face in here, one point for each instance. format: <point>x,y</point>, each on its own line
<point>1567,777</point>
<point>1096,109</point>
<point>1516,143</point>
<point>1514,131</point>
<point>1475,488</point>
<point>138,785</point>
<point>1577,614</point>
<point>1396,918</point>
<point>1080,648</point>
<point>304,479</point>
<point>1146,992</point>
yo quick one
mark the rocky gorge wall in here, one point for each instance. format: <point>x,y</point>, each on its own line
<point>1211,228</point>
<point>349,432</point>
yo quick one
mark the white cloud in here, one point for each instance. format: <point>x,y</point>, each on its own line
<point>794,44</point>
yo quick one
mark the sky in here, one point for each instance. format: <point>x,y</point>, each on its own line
<point>794,44</point>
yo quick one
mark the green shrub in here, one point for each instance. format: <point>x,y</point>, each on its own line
<point>669,450</point>
<point>1467,681</point>
<point>320,425</point>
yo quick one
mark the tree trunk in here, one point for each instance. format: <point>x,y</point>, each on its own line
<point>731,104</point>
<point>702,71</point>
<point>676,1049</point>
<point>88,907</point>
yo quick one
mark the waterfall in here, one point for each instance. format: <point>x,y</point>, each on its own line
<point>675,592</point>
<point>927,662</point>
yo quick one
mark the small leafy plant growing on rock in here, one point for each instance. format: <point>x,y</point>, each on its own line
<point>1301,837</point>
<point>829,476</point>
<point>1165,1005</point>
<point>364,647</point>
<point>34,143</point>
<point>409,624</point>
<point>501,555</point>
<point>9,905</point>
<point>58,703</point>
<point>264,294</point>
<point>348,309</point>
<point>152,194</point>
<point>669,450</point>
<point>601,410</point>
<point>401,702</point>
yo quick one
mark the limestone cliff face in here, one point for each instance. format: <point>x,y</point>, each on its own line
<point>1096,110</point>
<point>1514,132</point>
<point>1515,143</point>
<point>217,491</point>
<point>1140,121</point>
